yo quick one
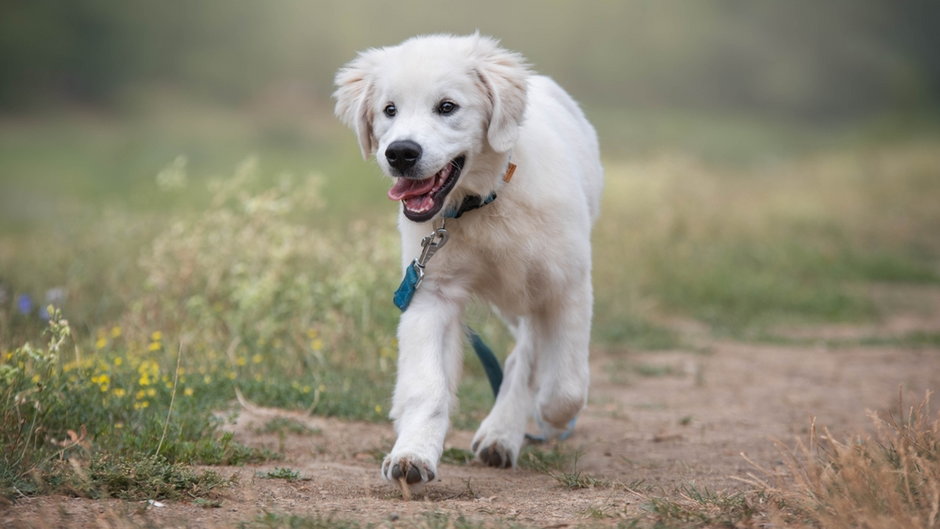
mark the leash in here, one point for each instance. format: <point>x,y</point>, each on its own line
<point>414,275</point>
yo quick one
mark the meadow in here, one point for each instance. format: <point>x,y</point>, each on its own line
<point>153,270</point>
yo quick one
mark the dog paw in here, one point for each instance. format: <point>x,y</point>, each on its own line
<point>494,455</point>
<point>497,443</point>
<point>414,470</point>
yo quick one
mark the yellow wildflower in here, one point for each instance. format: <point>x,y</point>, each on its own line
<point>156,336</point>
<point>256,359</point>
<point>119,392</point>
<point>240,361</point>
<point>154,346</point>
<point>316,344</point>
<point>188,392</point>
<point>115,331</point>
<point>118,360</point>
<point>101,343</point>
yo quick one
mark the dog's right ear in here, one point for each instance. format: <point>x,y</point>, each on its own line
<point>354,99</point>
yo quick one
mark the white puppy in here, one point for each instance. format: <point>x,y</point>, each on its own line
<point>447,117</point>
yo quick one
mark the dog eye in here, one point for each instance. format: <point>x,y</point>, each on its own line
<point>446,107</point>
<point>390,110</point>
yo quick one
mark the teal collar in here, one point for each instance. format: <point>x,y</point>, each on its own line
<point>472,202</point>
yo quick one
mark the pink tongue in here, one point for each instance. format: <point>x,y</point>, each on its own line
<point>406,188</point>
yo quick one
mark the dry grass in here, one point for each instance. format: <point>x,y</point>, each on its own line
<point>889,479</point>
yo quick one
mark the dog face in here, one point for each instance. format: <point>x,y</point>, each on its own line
<point>431,109</point>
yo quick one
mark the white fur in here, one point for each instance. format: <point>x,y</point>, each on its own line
<point>528,253</point>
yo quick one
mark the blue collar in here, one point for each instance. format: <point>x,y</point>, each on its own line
<point>469,203</point>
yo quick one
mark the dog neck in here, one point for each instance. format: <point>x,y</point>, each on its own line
<point>471,202</point>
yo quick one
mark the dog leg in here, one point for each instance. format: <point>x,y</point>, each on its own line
<point>500,436</point>
<point>430,339</point>
<point>563,374</point>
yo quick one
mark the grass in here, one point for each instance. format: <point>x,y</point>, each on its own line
<point>456,456</point>
<point>176,280</point>
<point>426,520</point>
<point>741,250</point>
<point>286,425</point>
<point>889,478</point>
<point>561,463</point>
<point>281,473</point>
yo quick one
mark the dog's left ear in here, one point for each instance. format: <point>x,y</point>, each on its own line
<point>353,99</point>
<point>504,76</point>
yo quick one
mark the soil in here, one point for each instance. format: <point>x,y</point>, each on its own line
<point>657,421</point>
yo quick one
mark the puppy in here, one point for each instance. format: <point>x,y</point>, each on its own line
<point>448,119</point>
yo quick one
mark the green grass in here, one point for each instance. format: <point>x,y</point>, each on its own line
<point>701,507</point>
<point>280,473</point>
<point>744,249</point>
<point>561,463</point>
<point>456,456</point>
<point>286,425</point>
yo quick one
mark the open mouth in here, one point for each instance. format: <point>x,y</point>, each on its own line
<point>422,199</point>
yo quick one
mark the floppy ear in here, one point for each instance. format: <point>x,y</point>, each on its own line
<point>504,75</point>
<point>353,99</point>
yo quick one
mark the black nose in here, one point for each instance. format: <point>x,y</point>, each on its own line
<point>403,154</point>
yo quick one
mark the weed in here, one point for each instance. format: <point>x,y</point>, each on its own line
<point>560,463</point>
<point>285,425</point>
<point>133,479</point>
<point>426,520</point>
<point>280,473</point>
<point>557,457</point>
<point>456,456</point>
<point>207,503</point>
<point>270,520</point>
<point>888,479</point>
<point>578,480</point>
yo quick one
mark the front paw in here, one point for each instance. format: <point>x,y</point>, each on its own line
<point>408,467</point>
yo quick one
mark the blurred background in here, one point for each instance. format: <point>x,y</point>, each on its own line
<point>114,117</point>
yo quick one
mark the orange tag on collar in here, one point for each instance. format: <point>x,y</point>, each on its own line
<point>509,172</point>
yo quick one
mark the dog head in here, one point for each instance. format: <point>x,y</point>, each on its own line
<point>432,109</point>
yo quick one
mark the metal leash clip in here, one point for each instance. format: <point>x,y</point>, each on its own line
<point>429,246</point>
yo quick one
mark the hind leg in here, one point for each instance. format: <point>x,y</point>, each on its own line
<point>562,373</point>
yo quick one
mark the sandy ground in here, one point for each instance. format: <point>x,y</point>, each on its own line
<point>656,421</point>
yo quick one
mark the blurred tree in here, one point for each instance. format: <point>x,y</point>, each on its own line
<point>840,58</point>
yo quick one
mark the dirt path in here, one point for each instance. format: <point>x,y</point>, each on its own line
<point>656,421</point>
